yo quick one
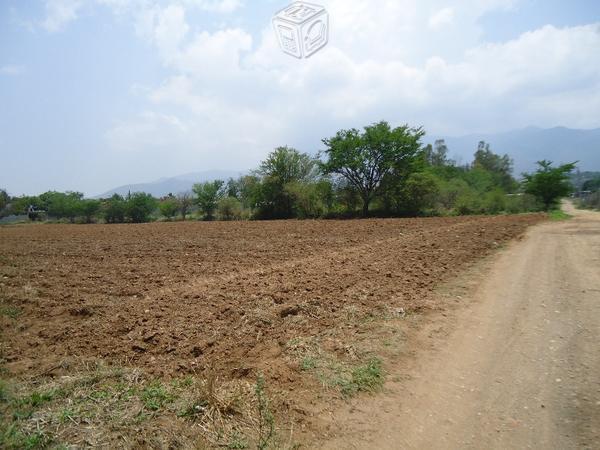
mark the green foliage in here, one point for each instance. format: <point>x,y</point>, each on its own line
<point>499,167</point>
<point>266,420</point>
<point>89,208</point>
<point>155,396</point>
<point>414,196</point>
<point>4,199</point>
<point>139,206</point>
<point>208,195</point>
<point>19,205</point>
<point>437,155</point>
<point>365,378</point>
<point>229,208</point>
<point>169,207</point>
<point>379,170</point>
<point>365,159</point>
<point>114,209</point>
<point>549,184</point>
<point>61,205</point>
<point>591,185</point>
<point>558,215</point>
<point>281,174</point>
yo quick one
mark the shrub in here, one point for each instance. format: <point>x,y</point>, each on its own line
<point>229,208</point>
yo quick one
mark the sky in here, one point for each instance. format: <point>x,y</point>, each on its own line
<point>99,93</point>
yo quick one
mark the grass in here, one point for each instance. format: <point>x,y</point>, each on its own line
<point>155,396</point>
<point>99,405</point>
<point>364,378</point>
<point>558,214</point>
<point>10,311</point>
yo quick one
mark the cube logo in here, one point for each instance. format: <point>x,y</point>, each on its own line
<point>302,29</point>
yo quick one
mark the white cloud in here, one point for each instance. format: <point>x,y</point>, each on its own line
<point>11,70</point>
<point>443,17</point>
<point>383,62</point>
<point>59,13</point>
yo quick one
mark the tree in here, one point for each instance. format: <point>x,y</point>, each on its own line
<point>89,208</point>
<point>499,166</point>
<point>437,155</point>
<point>591,185</point>
<point>230,208</point>
<point>184,202</point>
<point>139,206</point>
<point>548,184</point>
<point>4,199</point>
<point>283,166</point>
<point>114,209</point>
<point>62,205</point>
<point>364,159</point>
<point>169,207</point>
<point>207,197</point>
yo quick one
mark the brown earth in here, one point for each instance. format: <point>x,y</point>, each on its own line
<point>515,366</point>
<point>225,298</point>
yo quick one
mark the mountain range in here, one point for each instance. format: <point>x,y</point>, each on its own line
<point>532,144</point>
<point>172,185</point>
<point>525,147</point>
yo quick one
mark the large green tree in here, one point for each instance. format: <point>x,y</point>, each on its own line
<point>169,207</point>
<point>499,166</point>
<point>208,195</point>
<point>139,206</point>
<point>549,184</point>
<point>89,208</point>
<point>114,209</point>
<point>365,158</point>
<point>284,166</point>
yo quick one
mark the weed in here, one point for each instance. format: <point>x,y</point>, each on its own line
<point>10,311</point>
<point>37,399</point>
<point>155,396</point>
<point>13,439</point>
<point>365,378</point>
<point>558,214</point>
<point>237,442</point>
<point>66,415</point>
<point>308,363</point>
<point>266,421</point>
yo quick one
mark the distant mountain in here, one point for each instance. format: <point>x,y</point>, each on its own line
<point>173,185</point>
<point>529,145</point>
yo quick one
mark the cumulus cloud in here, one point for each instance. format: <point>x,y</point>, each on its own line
<point>443,17</point>
<point>394,60</point>
<point>59,13</point>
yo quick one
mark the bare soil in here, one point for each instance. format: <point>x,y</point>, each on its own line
<point>227,299</point>
<point>514,366</point>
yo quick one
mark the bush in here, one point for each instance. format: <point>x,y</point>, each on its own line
<point>114,209</point>
<point>229,208</point>
<point>139,206</point>
<point>169,207</point>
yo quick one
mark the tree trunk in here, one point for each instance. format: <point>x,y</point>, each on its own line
<point>365,208</point>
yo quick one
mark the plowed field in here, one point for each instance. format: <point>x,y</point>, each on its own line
<point>231,299</point>
<point>184,296</point>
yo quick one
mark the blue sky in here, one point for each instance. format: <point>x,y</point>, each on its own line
<point>98,93</point>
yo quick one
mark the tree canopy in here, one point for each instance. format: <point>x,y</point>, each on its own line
<point>365,158</point>
<point>548,183</point>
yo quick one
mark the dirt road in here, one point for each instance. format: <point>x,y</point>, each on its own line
<point>517,367</point>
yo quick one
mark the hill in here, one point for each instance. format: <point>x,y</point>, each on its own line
<point>528,145</point>
<point>173,185</point>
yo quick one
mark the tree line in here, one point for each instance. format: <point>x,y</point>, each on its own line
<point>377,171</point>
